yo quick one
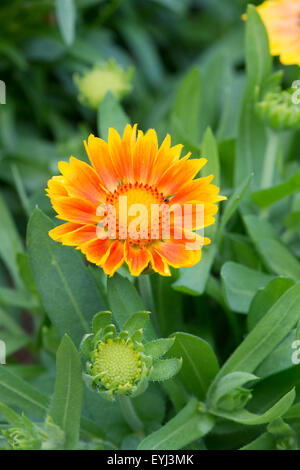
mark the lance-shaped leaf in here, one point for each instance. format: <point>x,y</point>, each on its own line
<point>66,404</point>
<point>187,426</point>
<point>15,391</point>
<point>66,287</point>
<point>200,365</point>
<point>266,335</point>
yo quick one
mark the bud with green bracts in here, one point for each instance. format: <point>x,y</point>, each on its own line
<point>278,111</point>
<point>119,362</point>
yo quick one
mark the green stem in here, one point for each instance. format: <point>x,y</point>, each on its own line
<point>130,415</point>
<point>145,290</point>
<point>270,159</point>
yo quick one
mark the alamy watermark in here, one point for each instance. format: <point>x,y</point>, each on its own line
<point>2,352</point>
<point>2,92</point>
<point>163,222</point>
<point>296,354</point>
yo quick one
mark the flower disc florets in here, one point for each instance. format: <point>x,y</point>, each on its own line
<point>119,363</point>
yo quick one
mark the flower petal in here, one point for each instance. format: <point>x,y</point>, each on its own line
<point>159,264</point>
<point>115,258</point>
<point>137,259</point>
<point>96,251</point>
<point>121,152</point>
<point>75,210</point>
<point>56,187</point>
<point>198,190</point>
<point>82,235</point>
<point>179,174</point>
<point>58,232</point>
<point>144,155</point>
<point>176,253</point>
<point>82,180</point>
<point>98,152</point>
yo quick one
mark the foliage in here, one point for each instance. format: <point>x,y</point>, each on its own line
<point>233,319</point>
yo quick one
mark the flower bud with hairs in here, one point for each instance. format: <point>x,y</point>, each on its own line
<point>119,363</point>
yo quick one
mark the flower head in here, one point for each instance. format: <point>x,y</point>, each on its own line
<point>95,83</point>
<point>120,363</point>
<point>137,203</point>
<point>282,21</point>
<point>278,110</point>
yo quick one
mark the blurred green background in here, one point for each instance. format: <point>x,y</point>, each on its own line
<point>43,122</point>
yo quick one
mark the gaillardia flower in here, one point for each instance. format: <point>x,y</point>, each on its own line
<point>96,82</point>
<point>131,176</point>
<point>119,363</point>
<point>282,21</point>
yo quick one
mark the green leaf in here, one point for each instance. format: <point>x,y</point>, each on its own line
<point>10,244</point>
<point>65,285</point>
<point>267,391</point>
<point>66,404</point>
<point>124,300</point>
<point>269,196</point>
<point>86,346</point>
<point>189,91</point>
<point>241,284</point>
<point>136,322</point>
<point>25,272</point>
<point>250,419</point>
<point>266,335</point>
<point>263,442</point>
<point>17,298</point>
<point>232,205</point>
<point>15,391</point>
<point>251,139</point>
<point>209,150</point>
<point>101,320</point>
<point>258,58</point>
<point>158,347</point>
<point>66,16</point>
<point>265,298</point>
<point>165,369</point>
<point>199,366</point>
<point>111,114</point>
<point>258,228</point>
<point>187,426</point>
<point>11,416</point>
<point>192,281</point>
<point>279,359</point>
<point>278,258</point>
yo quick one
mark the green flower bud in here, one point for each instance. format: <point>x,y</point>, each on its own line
<point>96,82</point>
<point>28,436</point>
<point>119,362</point>
<point>285,436</point>
<point>278,111</point>
<point>235,400</point>
<point>25,436</point>
<point>286,443</point>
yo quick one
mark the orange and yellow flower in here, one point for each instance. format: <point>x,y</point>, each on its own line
<point>282,21</point>
<point>133,166</point>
